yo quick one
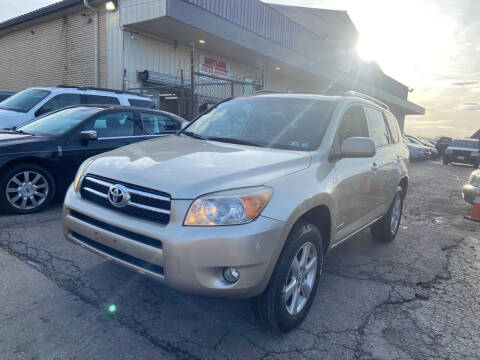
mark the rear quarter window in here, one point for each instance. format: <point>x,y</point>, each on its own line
<point>141,103</point>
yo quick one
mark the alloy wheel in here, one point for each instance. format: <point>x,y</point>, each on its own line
<point>396,214</point>
<point>301,278</point>
<point>27,190</point>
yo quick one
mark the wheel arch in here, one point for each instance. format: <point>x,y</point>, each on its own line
<point>31,160</point>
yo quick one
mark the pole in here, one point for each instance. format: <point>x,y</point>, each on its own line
<point>192,78</point>
<point>182,95</point>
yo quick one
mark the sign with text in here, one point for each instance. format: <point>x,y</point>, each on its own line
<point>212,66</point>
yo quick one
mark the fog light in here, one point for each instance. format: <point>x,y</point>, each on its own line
<point>231,275</point>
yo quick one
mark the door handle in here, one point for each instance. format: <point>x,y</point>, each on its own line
<point>374,167</point>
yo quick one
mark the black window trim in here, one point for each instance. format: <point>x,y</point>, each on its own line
<point>348,107</point>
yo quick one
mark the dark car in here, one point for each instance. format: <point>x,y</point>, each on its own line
<point>463,151</point>
<point>41,157</point>
<point>5,94</point>
<point>442,144</point>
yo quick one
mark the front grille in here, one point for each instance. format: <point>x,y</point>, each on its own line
<point>118,254</point>
<point>465,153</point>
<point>144,203</point>
<point>116,230</point>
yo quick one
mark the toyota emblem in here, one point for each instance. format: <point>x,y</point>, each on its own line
<point>118,196</point>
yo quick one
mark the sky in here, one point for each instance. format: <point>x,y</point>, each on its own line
<point>432,46</point>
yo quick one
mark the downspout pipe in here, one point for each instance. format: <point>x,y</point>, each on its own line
<point>95,41</point>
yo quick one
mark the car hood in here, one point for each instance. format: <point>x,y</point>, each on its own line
<point>187,168</point>
<point>11,143</point>
<point>12,118</point>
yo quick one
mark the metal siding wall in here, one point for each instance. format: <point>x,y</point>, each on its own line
<point>148,53</point>
<point>257,17</point>
<point>133,11</point>
<point>114,50</point>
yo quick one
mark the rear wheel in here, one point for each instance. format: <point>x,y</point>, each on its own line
<point>386,229</point>
<point>291,290</point>
<point>26,188</point>
<point>445,162</point>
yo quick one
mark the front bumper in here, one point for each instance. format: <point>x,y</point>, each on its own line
<point>469,192</point>
<point>187,258</point>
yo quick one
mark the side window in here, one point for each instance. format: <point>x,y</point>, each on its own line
<point>378,130</point>
<point>117,124</point>
<point>58,102</point>
<point>354,124</point>
<point>103,100</point>
<point>154,124</point>
<point>393,125</point>
<point>141,103</point>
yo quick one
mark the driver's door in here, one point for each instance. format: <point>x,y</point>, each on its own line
<point>114,129</point>
<point>354,178</point>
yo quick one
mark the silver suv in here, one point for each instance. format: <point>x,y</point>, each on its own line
<point>248,199</point>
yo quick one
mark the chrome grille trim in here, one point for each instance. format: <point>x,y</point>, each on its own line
<point>149,208</point>
<point>131,191</point>
<point>95,192</point>
<point>153,206</point>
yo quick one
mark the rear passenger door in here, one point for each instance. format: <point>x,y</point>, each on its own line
<point>385,162</point>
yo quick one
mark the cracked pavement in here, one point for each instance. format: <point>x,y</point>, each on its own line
<point>415,298</point>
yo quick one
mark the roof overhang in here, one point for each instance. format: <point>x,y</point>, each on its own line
<point>185,23</point>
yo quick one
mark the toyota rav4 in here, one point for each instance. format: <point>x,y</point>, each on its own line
<point>248,199</point>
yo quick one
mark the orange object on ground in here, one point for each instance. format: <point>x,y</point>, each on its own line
<point>475,214</point>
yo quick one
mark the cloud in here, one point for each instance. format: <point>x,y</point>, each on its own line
<point>465,83</point>
<point>471,106</point>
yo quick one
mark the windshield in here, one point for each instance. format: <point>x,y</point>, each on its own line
<point>59,122</point>
<point>24,100</point>
<point>470,144</point>
<point>286,123</point>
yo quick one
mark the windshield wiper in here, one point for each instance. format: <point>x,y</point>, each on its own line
<point>194,135</point>
<point>15,131</point>
<point>234,141</point>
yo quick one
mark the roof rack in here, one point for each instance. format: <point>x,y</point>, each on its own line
<point>99,89</point>
<point>366,97</point>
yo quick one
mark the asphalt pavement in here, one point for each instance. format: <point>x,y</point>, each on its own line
<point>415,298</point>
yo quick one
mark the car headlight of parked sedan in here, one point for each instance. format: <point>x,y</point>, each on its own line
<point>231,207</point>
<point>82,170</point>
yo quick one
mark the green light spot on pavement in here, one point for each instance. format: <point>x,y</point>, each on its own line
<point>112,308</point>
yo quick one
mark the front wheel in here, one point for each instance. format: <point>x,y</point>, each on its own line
<point>291,290</point>
<point>26,188</point>
<point>386,228</point>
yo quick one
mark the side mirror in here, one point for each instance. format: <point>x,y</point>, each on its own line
<point>88,135</point>
<point>358,147</point>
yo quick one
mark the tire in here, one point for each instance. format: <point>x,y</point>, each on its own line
<point>272,307</point>
<point>445,162</point>
<point>37,194</point>
<point>386,229</point>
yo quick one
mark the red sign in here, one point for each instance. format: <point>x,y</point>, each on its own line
<point>213,66</point>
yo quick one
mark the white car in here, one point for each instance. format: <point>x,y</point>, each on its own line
<point>36,101</point>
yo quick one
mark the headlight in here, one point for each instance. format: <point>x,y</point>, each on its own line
<point>231,207</point>
<point>80,174</point>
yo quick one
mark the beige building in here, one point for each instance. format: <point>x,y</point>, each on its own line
<point>147,46</point>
